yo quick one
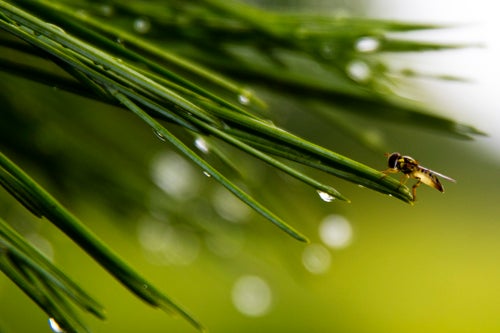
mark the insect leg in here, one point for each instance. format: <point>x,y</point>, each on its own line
<point>388,171</point>
<point>403,180</point>
<point>414,189</point>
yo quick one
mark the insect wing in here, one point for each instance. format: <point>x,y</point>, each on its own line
<point>443,176</point>
<point>428,177</point>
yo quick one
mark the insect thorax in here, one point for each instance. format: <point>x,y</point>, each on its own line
<point>407,165</point>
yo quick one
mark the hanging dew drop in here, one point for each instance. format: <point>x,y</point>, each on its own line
<point>325,196</point>
<point>55,27</point>
<point>54,326</point>
<point>160,136</point>
<point>142,25</point>
<point>244,97</point>
<point>202,145</point>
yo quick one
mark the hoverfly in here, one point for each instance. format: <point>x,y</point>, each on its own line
<point>411,169</point>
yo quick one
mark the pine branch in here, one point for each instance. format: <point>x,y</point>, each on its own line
<point>185,85</point>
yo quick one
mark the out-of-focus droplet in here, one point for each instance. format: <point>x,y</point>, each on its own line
<point>142,25</point>
<point>107,10</point>
<point>367,44</point>
<point>316,258</point>
<point>175,176</point>
<point>225,246</point>
<point>373,137</point>
<point>166,244</point>
<point>42,244</point>
<point>302,32</point>
<point>230,207</point>
<point>327,51</point>
<point>252,296</point>
<point>359,71</point>
<point>82,13</point>
<point>335,231</point>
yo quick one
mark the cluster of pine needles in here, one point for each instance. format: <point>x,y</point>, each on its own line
<point>187,65</point>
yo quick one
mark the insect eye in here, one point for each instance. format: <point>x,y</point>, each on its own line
<point>393,160</point>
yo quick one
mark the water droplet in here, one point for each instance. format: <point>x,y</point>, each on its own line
<point>201,144</point>
<point>367,44</point>
<point>244,97</point>
<point>316,258</point>
<point>389,195</point>
<point>99,66</point>
<point>54,326</point>
<point>26,29</point>
<point>42,244</point>
<point>159,135</point>
<point>55,27</point>
<point>252,296</point>
<point>207,174</point>
<point>462,129</point>
<point>142,25</point>
<point>82,13</point>
<point>120,41</point>
<point>302,32</point>
<point>327,51</point>
<point>107,10</point>
<point>358,70</point>
<point>325,196</point>
<point>145,286</point>
<point>361,186</point>
<point>342,13</point>
<point>373,136</point>
<point>335,231</point>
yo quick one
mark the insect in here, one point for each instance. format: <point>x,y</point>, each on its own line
<point>411,169</point>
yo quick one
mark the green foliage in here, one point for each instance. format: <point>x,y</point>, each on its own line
<point>173,73</point>
<point>38,274</point>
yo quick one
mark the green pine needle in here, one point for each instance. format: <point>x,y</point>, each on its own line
<point>183,79</point>
<point>46,206</point>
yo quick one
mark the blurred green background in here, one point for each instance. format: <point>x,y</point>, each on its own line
<point>374,265</point>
